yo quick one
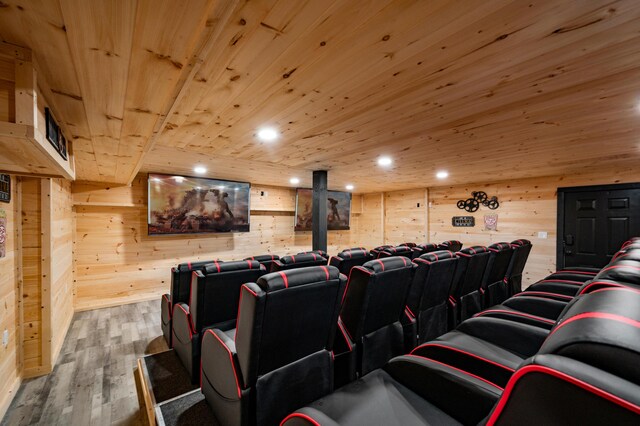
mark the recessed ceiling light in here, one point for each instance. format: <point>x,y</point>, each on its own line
<point>200,170</point>
<point>442,174</point>
<point>385,161</point>
<point>349,187</point>
<point>267,134</point>
<point>294,180</point>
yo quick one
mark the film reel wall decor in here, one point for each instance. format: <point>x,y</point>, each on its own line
<point>477,198</point>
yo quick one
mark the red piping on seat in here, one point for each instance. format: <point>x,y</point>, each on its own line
<point>250,265</point>
<point>569,271</point>
<point>326,271</point>
<point>189,265</point>
<point>284,278</point>
<point>457,369</point>
<point>410,311</point>
<point>599,315</point>
<point>233,366</point>
<point>381,263</point>
<point>620,266</point>
<point>217,265</point>
<point>594,283</point>
<point>304,416</point>
<point>562,376</point>
<point>514,313</point>
<point>464,352</point>
<point>542,293</point>
<point>561,281</point>
<point>344,332</point>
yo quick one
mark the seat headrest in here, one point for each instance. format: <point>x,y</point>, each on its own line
<point>435,256</point>
<point>451,243</point>
<point>408,244</point>
<point>470,251</point>
<point>263,257</point>
<point>353,254</point>
<point>190,266</point>
<point>498,247</point>
<point>297,277</point>
<point>601,328</point>
<point>387,264</point>
<point>301,258</point>
<point>318,252</point>
<point>398,249</point>
<point>380,248</point>
<point>354,248</point>
<point>428,246</point>
<point>626,271</point>
<point>237,265</point>
<point>521,242</point>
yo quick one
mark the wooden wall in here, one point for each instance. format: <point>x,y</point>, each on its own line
<point>47,256</point>
<point>117,262</point>
<point>527,206</point>
<point>10,364</point>
<point>62,229</point>
<point>32,272</point>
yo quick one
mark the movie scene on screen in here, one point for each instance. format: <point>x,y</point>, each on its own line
<point>191,205</point>
<point>338,210</point>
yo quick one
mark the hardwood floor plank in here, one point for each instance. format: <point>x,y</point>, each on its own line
<point>93,381</point>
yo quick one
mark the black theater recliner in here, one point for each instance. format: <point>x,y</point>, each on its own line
<point>421,249</point>
<point>494,282</point>
<point>281,356</point>
<point>347,259</point>
<point>452,245</point>
<point>375,251</point>
<point>179,293</point>
<point>522,248</point>
<point>466,292</point>
<point>371,332</point>
<point>428,300</point>
<point>318,252</point>
<point>395,251</point>
<point>213,304</point>
<point>298,261</point>
<point>265,259</point>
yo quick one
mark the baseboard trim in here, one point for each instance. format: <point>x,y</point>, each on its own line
<point>110,303</point>
<point>8,397</point>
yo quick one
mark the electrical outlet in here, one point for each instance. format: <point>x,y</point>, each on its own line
<point>5,338</point>
<point>542,235</point>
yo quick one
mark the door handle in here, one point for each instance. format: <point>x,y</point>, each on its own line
<point>568,240</point>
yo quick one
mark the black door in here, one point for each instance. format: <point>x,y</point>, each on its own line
<point>593,222</point>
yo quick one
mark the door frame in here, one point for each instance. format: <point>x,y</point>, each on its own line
<point>560,220</point>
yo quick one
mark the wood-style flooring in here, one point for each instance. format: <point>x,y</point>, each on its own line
<point>93,382</point>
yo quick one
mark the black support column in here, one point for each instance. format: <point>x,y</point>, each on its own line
<point>319,210</point>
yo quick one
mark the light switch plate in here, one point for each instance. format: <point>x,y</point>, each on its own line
<point>542,235</point>
<point>5,338</point>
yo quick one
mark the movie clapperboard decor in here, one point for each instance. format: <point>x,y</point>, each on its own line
<point>463,221</point>
<point>5,188</point>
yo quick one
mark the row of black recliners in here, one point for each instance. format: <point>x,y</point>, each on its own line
<point>182,275</point>
<point>369,333</point>
<point>508,365</point>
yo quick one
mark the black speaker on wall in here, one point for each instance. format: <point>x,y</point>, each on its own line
<point>54,134</point>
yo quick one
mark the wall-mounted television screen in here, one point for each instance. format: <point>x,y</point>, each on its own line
<point>192,205</point>
<point>338,210</point>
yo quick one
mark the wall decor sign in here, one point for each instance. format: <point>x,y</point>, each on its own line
<point>463,221</point>
<point>194,205</point>
<point>3,233</point>
<point>491,222</point>
<point>5,188</point>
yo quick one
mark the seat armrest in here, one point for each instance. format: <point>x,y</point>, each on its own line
<point>501,332</point>
<point>165,308</point>
<point>220,364</point>
<point>308,416</point>
<point>276,265</point>
<point>182,325</point>
<point>446,386</point>
<point>546,308</point>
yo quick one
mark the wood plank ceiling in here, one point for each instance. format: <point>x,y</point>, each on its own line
<point>487,90</point>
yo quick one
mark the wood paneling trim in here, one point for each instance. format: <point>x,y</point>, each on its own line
<point>46,259</point>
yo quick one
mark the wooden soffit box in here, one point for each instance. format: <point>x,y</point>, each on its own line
<point>24,148</point>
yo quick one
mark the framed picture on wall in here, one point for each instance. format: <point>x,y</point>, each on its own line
<point>338,210</point>
<point>62,146</point>
<point>194,205</point>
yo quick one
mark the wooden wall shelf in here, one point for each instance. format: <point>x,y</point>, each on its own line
<point>24,149</point>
